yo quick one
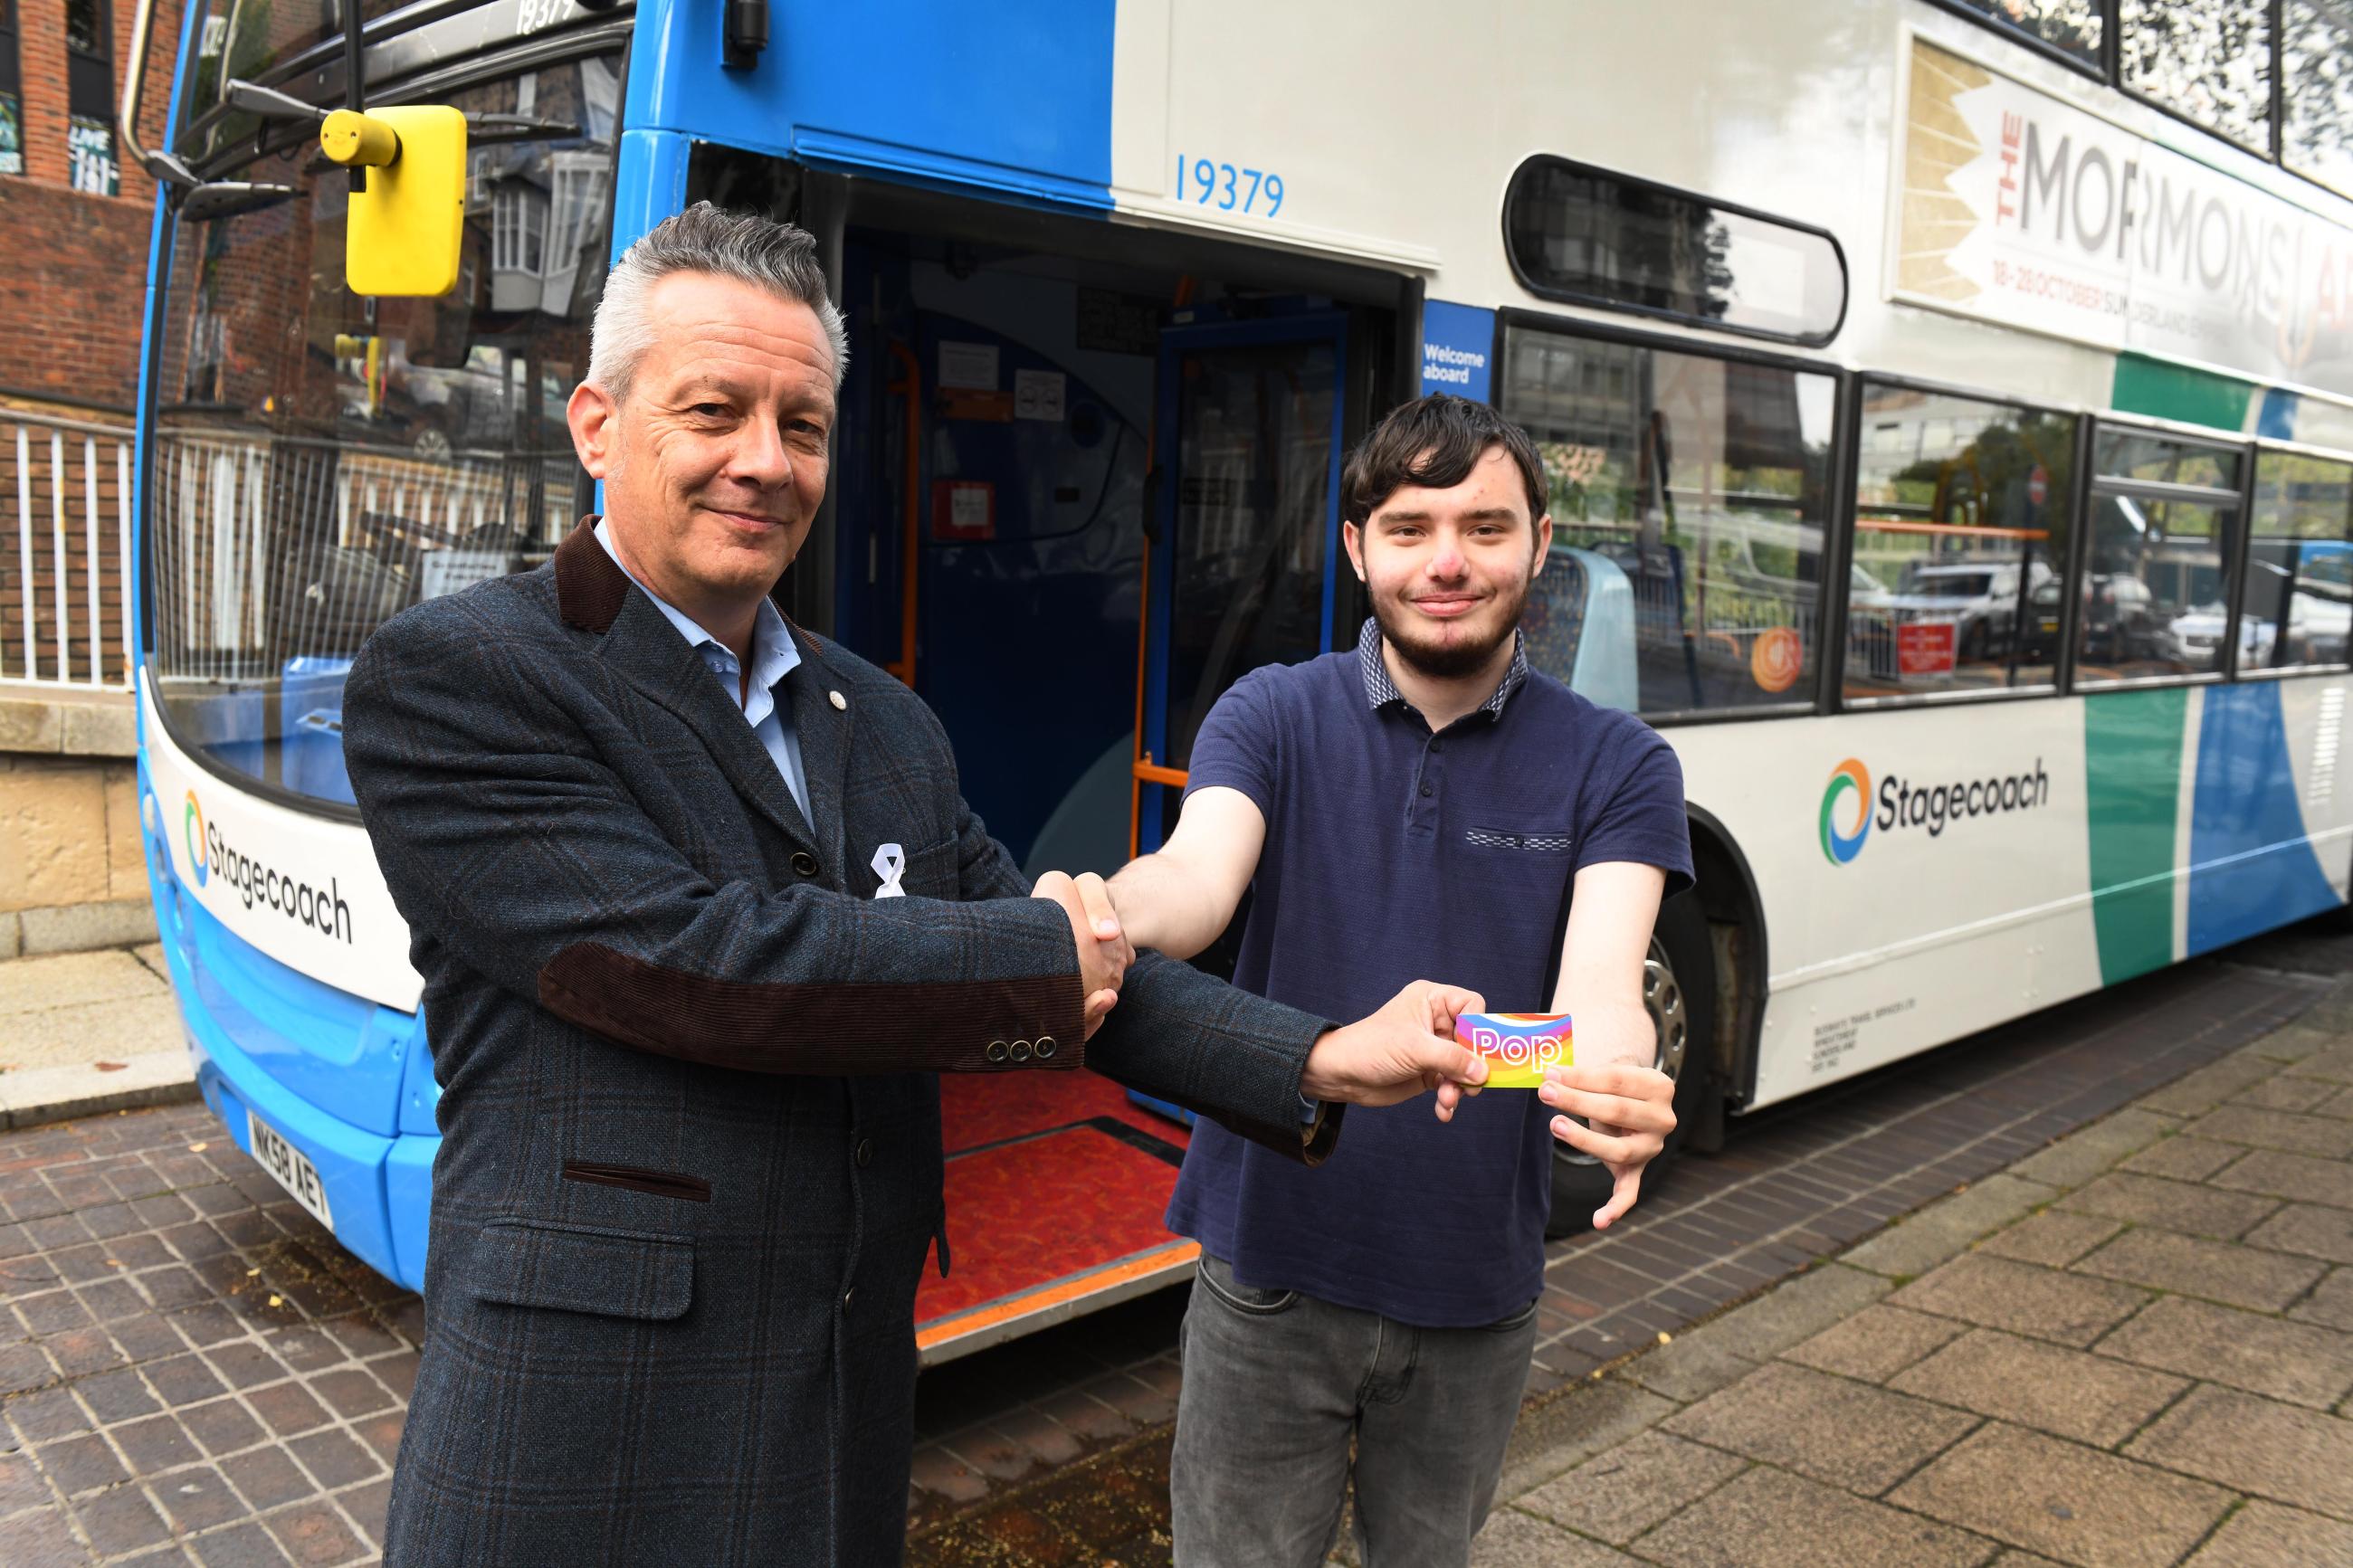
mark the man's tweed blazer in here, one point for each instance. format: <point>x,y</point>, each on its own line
<point>691,1158</point>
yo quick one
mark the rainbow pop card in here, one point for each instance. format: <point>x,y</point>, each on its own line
<point>1518,1047</point>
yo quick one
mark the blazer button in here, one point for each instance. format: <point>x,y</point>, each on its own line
<point>995,1051</point>
<point>848,1297</point>
<point>865,1154</point>
<point>804,863</point>
<point>1021,1051</point>
<point>1045,1047</point>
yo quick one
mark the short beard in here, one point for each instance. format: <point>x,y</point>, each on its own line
<point>1455,661</point>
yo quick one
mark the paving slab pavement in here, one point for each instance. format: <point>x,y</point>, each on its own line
<point>2097,1379</point>
<point>82,1033</point>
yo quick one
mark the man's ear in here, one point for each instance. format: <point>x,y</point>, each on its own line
<point>1544,546</point>
<point>594,419</point>
<point>1353,538</point>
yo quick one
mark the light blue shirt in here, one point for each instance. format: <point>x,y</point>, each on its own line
<point>774,656</point>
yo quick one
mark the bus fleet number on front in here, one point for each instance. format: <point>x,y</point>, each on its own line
<point>1227,188</point>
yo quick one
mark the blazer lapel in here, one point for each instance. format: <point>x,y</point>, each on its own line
<point>595,596</point>
<point>824,729</point>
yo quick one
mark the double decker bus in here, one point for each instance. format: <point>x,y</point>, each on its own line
<point>1948,410</point>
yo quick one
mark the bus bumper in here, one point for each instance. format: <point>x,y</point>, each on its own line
<point>271,1044</point>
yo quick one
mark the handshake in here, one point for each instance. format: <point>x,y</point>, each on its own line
<point>1401,1051</point>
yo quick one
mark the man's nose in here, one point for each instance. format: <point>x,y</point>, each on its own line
<point>1447,561</point>
<point>759,455</point>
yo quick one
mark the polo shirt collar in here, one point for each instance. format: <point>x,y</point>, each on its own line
<point>1380,691</point>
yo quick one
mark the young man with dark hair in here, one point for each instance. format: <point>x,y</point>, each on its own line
<point>1423,803</point>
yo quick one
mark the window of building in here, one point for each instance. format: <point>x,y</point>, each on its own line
<point>11,101</point>
<point>1961,543</point>
<point>1689,497</point>
<point>2296,611</point>
<point>518,227</point>
<point>2155,596</point>
<point>1587,237</point>
<point>2070,28</point>
<point>90,99</point>
<point>579,203</point>
<point>2207,60</point>
<point>2317,72</point>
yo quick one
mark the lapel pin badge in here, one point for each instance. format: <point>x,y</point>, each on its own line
<point>890,864</point>
<point>838,700</point>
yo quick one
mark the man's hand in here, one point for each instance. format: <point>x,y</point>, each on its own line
<point>1104,954</point>
<point>1405,1048</point>
<point>1629,1111</point>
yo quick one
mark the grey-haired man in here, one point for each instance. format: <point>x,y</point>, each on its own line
<point>691,1159</point>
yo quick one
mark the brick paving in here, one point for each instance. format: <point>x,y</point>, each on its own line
<point>2131,1349</point>
<point>192,1371</point>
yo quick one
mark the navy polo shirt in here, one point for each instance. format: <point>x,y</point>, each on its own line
<point>1394,855</point>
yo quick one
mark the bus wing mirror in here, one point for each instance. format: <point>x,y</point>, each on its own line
<point>406,228</point>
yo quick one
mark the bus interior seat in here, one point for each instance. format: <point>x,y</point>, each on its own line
<point>1579,624</point>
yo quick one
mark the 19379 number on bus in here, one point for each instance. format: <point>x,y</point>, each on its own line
<point>1226,186</point>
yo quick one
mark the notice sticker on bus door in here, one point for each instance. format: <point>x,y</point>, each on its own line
<point>1924,647</point>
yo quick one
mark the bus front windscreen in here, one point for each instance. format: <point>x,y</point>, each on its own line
<point>320,461</point>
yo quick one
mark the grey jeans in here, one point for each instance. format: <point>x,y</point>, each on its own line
<point>1276,1385</point>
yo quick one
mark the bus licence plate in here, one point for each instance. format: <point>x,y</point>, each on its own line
<point>292,1167</point>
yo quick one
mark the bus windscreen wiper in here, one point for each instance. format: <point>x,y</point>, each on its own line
<point>228,198</point>
<point>483,128</point>
<point>201,201</point>
<point>268,102</point>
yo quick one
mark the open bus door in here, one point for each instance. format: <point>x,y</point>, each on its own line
<point>1057,1182</point>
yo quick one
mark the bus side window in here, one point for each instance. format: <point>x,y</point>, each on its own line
<point>2295,610</point>
<point>1693,492</point>
<point>2156,587</point>
<point>1960,539</point>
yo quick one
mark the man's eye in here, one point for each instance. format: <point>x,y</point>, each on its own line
<point>708,410</point>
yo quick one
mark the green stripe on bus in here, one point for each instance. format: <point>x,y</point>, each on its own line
<point>2164,390</point>
<point>2132,756</point>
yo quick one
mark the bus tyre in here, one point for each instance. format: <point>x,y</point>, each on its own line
<point>1679,990</point>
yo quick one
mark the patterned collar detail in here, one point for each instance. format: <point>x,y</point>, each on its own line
<point>1380,691</point>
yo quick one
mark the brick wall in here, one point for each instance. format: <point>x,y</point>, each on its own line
<point>73,267</point>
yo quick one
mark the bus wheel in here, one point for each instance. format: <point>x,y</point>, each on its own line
<point>1679,991</point>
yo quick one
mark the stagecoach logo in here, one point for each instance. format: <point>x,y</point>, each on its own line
<point>1850,777</point>
<point>192,834</point>
<point>324,910</point>
<point>1901,805</point>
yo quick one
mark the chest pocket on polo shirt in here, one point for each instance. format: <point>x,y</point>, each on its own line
<point>1533,843</point>
<point>1526,862</point>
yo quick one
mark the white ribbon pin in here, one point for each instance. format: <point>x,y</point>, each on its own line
<point>890,864</point>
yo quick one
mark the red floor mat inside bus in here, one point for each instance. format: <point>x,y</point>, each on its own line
<point>1023,1214</point>
<point>980,1109</point>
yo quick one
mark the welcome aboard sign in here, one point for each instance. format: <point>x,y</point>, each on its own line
<point>2025,211</point>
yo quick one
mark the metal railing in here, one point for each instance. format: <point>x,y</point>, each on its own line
<point>270,548</point>
<point>65,589</point>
